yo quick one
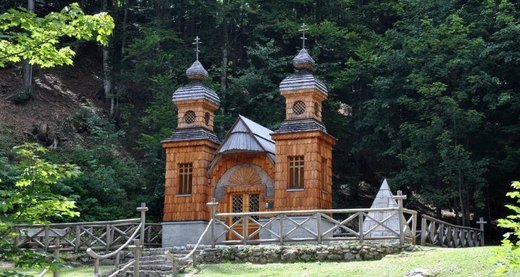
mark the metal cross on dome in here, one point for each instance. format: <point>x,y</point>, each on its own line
<point>196,43</point>
<point>302,29</point>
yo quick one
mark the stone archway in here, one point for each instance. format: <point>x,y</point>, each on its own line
<point>244,174</point>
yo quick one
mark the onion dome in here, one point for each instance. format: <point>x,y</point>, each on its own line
<point>195,90</point>
<point>196,72</point>
<point>303,79</point>
<point>303,61</point>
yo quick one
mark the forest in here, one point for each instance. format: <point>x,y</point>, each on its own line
<point>424,93</point>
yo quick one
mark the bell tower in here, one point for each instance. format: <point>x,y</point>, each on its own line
<point>189,152</point>
<point>303,147</point>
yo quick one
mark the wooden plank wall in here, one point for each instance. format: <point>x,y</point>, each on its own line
<point>316,147</point>
<point>191,207</point>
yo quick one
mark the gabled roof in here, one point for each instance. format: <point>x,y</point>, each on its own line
<point>247,136</point>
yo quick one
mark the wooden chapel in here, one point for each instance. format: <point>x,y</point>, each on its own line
<point>252,168</point>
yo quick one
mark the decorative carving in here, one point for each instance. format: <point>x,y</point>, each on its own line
<point>244,174</point>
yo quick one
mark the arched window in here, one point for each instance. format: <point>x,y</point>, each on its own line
<point>206,118</point>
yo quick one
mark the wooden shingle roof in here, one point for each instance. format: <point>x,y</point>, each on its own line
<point>247,136</point>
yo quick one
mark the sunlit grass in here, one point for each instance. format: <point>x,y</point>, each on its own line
<point>436,261</point>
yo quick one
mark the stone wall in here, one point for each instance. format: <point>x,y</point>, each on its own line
<point>301,253</point>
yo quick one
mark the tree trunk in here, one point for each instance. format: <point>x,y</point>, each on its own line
<point>107,69</point>
<point>223,75</point>
<point>27,67</point>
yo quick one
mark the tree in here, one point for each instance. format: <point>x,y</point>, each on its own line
<point>28,196</point>
<point>508,255</point>
<point>436,98</point>
<point>38,39</point>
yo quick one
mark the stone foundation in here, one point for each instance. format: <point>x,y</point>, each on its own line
<point>182,233</point>
<point>301,253</point>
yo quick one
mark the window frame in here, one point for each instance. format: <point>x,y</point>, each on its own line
<point>296,172</point>
<point>185,175</point>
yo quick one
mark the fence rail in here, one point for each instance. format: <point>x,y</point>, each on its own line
<point>99,235</point>
<point>437,232</point>
<point>313,225</point>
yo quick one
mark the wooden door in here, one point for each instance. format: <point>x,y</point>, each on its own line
<point>242,203</point>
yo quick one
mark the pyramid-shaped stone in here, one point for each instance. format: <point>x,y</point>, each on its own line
<point>383,199</point>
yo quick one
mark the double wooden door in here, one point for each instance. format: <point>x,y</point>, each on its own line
<point>242,203</point>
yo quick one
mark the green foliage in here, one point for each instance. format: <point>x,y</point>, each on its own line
<point>508,255</point>
<point>37,39</point>
<point>28,191</point>
<point>109,174</point>
<point>257,86</point>
<point>29,188</point>
<point>432,96</point>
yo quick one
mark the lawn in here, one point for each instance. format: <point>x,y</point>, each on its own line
<point>84,271</point>
<point>436,261</point>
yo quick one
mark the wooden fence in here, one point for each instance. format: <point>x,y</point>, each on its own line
<point>310,225</point>
<point>101,235</point>
<point>444,234</point>
<point>313,225</point>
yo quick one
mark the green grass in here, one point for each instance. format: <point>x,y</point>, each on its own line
<point>437,261</point>
<point>84,271</point>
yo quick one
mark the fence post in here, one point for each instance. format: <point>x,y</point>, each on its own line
<point>414,228</point>
<point>136,249</point>
<point>96,268</point>
<point>46,238</point>
<point>143,210</point>
<point>481,222</point>
<point>400,197</point>
<point>118,259</point>
<point>56,254</point>
<point>245,229</point>
<point>440,229</point>
<point>17,238</point>
<point>318,227</point>
<point>213,209</point>
<point>281,229</point>
<point>108,236</point>
<point>424,230</point>
<point>77,242</point>
<point>360,223</point>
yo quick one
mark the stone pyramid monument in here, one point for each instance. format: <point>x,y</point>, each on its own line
<point>383,199</point>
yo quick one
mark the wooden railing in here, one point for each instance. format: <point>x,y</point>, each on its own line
<point>437,232</point>
<point>191,255</point>
<point>311,225</point>
<point>136,249</point>
<point>99,235</point>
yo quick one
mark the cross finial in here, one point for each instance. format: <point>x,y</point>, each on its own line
<point>196,43</point>
<point>302,29</point>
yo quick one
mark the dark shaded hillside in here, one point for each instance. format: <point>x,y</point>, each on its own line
<point>59,93</point>
<point>67,113</point>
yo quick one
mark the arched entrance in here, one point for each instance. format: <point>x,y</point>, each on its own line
<point>246,177</point>
<point>244,188</point>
